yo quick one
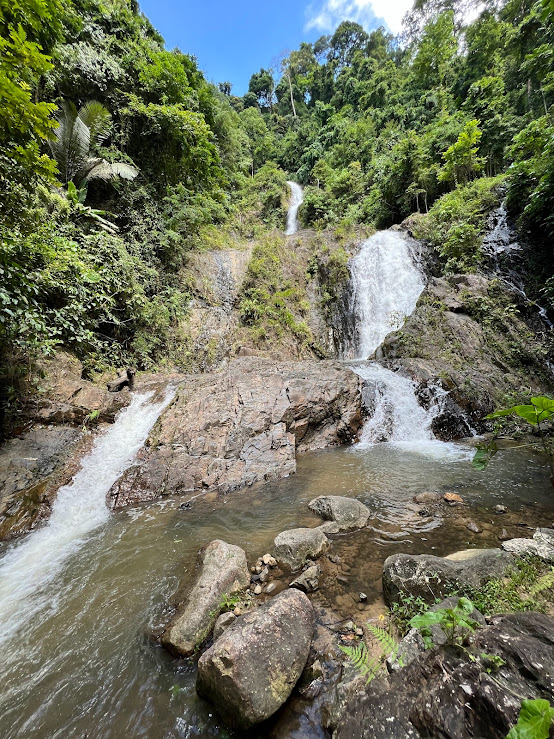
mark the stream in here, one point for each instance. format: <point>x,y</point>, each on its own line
<point>81,597</point>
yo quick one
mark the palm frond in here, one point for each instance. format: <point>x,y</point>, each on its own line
<point>71,144</point>
<point>104,170</point>
<point>98,120</point>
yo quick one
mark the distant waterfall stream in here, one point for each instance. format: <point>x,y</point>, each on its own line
<point>386,283</point>
<point>296,200</point>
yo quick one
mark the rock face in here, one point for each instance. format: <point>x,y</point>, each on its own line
<point>28,467</point>
<point>430,577</point>
<point>541,545</point>
<point>252,668</point>
<point>476,363</point>
<point>443,694</point>
<point>67,398</point>
<point>344,514</point>
<point>244,425</point>
<point>224,571</point>
<point>294,547</point>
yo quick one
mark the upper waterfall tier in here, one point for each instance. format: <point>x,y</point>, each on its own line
<point>385,284</point>
<point>296,200</point>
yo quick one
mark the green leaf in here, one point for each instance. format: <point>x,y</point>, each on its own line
<point>483,455</point>
<point>503,412</point>
<point>534,720</point>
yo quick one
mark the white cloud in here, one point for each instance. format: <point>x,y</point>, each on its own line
<point>326,16</point>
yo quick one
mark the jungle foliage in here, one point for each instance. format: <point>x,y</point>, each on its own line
<point>375,127</point>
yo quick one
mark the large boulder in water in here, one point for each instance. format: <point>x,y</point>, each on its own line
<point>428,577</point>
<point>252,668</point>
<point>224,571</point>
<point>443,693</point>
<point>293,548</point>
<point>343,514</point>
<point>243,425</point>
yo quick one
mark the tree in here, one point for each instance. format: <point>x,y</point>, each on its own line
<point>77,133</point>
<point>461,161</point>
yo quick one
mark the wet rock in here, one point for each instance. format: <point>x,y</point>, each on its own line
<point>271,587</point>
<point>231,429</point>
<point>294,547</point>
<point>500,509</point>
<point>345,514</point>
<point>223,622</point>
<point>453,499</point>
<point>472,526</point>
<point>432,577</point>
<point>444,694</point>
<point>541,545</point>
<point>223,571</point>
<point>253,667</point>
<point>308,581</point>
<point>427,497</point>
<point>29,469</point>
<point>459,353</point>
<point>268,560</point>
<point>362,597</point>
<point>504,535</point>
<point>258,590</point>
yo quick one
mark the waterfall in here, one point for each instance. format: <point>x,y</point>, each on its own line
<point>80,507</point>
<point>385,287</point>
<point>385,284</point>
<point>296,200</point>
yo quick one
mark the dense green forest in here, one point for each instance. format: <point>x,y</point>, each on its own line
<point>117,158</point>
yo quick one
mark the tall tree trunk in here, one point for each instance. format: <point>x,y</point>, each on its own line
<point>291,95</point>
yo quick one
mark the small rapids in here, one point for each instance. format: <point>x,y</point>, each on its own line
<point>296,200</point>
<point>80,507</point>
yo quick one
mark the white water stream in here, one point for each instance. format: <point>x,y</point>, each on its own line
<point>386,284</point>
<point>80,507</point>
<point>296,200</point>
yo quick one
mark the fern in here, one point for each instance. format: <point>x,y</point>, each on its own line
<point>387,642</point>
<point>359,656</point>
<point>543,583</point>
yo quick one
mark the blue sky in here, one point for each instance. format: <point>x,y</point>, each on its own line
<point>234,38</point>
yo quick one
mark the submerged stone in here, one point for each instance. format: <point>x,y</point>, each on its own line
<point>223,572</point>
<point>294,547</point>
<point>348,514</point>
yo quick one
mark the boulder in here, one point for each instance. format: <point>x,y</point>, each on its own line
<point>444,694</point>
<point>430,577</point>
<point>223,571</point>
<point>541,545</point>
<point>252,668</point>
<point>308,581</point>
<point>294,547</point>
<point>427,497</point>
<point>243,425</point>
<point>345,514</point>
<point>223,622</point>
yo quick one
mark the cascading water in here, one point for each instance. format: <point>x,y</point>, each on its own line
<point>80,507</point>
<point>385,286</point>
<point>296,200</point>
